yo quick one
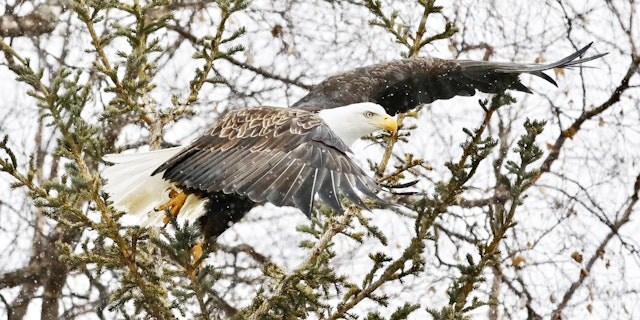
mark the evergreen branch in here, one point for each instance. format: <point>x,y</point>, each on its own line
<point>422,28</point>
<point>131,91</point>
<point>157,295</point>
<point>179,246</point>
<point>501,221</point>
<point>103,64</point>
<point>477,148</point>
<point>10,166</point>
<point>408,164</point>
<point>390,143</point>
<point>23,70</point>
<point>337,225</point>
<point>399,31</point>
<point>211,49</point>
<point>414,43</point>
<point>210,52</point>
<point>402,34</point>
<point>448,32</point>
<point>72,130</point>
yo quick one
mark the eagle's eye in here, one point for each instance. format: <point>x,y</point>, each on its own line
<point>368,114</point>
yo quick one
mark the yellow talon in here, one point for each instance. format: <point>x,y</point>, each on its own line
<point>174,204</point>
<point>196,253</point>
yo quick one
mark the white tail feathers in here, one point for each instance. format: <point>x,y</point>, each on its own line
<point>134,191</point>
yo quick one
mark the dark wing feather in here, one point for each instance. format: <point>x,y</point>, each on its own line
<point>284,156</point>
<point>329,192</point>
<point>404,84</point>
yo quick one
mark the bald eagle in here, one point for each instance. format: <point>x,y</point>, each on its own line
<point>285,156</point>
<point>288,156</point>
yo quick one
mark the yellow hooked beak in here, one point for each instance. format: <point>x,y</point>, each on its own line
<point>388,123</point>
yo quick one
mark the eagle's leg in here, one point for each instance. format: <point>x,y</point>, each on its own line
<point>196,254</point>
<point>175,203</point>
<point>196,251</point>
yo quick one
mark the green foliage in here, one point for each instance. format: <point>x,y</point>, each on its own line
<point>211,48</point>
<point>517,180</point>
<point>145,267</point>
<point>413,41</point>
<point>9,164</point>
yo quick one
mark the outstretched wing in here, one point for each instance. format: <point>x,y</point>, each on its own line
<point>404,84</point>
<point>283,156</point>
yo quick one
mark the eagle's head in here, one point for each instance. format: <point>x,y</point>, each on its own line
<point>355,121</point>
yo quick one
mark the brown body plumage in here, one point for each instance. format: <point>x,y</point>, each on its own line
<point>284,156</point>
